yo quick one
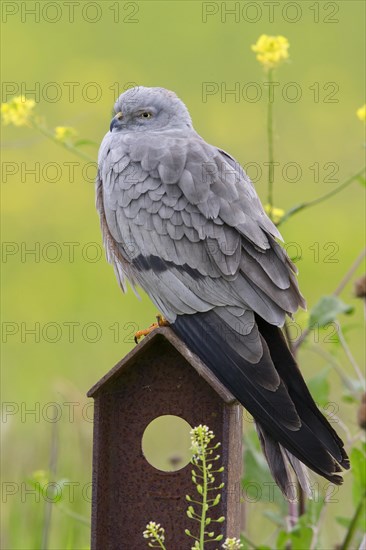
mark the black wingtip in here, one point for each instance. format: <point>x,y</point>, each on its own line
<point>316,443</point>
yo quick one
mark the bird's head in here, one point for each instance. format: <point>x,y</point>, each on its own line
<point>141,109</point>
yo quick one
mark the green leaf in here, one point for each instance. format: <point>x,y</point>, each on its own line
<point>302,537</point>
<point>314,508</point>
<point>282,540</point>
<point>362,180</point>
<point>319,387</point>
<point>326,311</point>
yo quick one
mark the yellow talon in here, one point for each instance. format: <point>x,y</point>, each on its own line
<point>161,322</point>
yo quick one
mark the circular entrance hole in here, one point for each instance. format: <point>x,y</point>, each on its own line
<point>166,443</point>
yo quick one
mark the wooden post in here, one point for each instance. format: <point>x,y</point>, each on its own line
<point>159,377</point>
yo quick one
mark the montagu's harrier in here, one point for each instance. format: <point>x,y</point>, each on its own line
<point>181,219</point>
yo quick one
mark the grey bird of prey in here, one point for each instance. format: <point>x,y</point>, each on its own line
<point>181,219</point>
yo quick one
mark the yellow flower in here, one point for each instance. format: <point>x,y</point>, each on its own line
<point>18,111</point>
<point>361,113</point>
<point>271,50</point>
<point>40,476</point>
<point>65,133</point>
<point>276,213</point>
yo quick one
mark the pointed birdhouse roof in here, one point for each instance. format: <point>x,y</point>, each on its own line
<point>155,339</point>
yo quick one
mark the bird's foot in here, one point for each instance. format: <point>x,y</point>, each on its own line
<point>160,322</point>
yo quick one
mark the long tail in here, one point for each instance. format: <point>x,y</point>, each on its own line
<point>279,459</point>
<point>290,426</point>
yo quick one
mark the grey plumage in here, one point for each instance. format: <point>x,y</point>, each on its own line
<point>181,219</point>
<point>219,211</point>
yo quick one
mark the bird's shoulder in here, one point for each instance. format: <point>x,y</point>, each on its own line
<point>180,161</point>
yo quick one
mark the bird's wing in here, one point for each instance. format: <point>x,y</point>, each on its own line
<point>182,219</point>
<point>193,227</point>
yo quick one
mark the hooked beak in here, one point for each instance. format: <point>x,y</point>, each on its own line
<point>116,120</point>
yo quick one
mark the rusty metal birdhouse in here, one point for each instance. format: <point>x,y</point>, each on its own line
<point>159,377</point>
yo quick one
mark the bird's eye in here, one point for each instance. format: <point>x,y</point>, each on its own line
<point>146,114</point>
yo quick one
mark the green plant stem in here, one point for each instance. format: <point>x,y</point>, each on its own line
<point>161,544</point>
<point>66,145</point>
<point>303,205</point>
<point>353,525</point>
<point>46,527</point>
<point>204,501</point>
<point>349,355</point>
<point>248,541</point>
<point>337,367</point>
<point>350,272</point>
<point>317,527</point>
<point>73,515</point>
<point>270,145</point>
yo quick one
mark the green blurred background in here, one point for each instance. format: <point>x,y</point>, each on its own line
<point>174,45</point>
